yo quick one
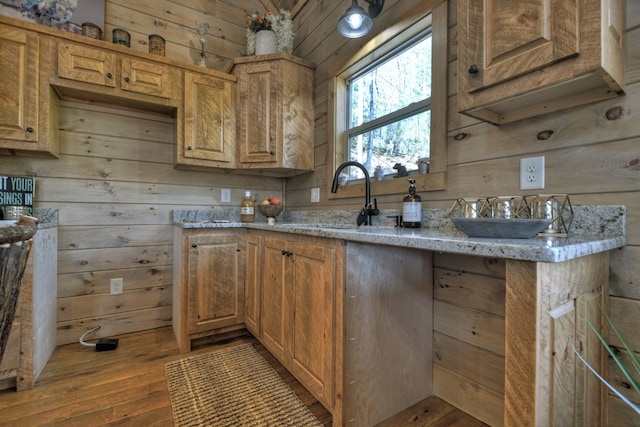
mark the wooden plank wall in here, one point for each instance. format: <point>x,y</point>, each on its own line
<point>469,327</point>
<point>115,187</point>
<point>593,159</point>
<point>175,21</point>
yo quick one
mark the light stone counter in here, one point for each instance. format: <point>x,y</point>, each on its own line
<point>595,229</point>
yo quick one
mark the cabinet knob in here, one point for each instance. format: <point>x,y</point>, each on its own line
<point>126,79</point>
<point>272,153</point>
<point>286,253</point>
<point>473,69</point>
<point>29,129</point>
<point>189,148</point>
<point>109,75</point>
<point>194,245</point>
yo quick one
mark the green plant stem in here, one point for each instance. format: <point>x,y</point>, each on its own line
<point>605,382</point>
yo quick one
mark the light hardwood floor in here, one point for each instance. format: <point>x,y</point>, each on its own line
<point>81,387</point>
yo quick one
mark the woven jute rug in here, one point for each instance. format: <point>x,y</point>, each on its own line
<point>233,387</point>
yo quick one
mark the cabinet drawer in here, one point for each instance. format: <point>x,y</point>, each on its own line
<point>86,65</point>
<point>145,78</point>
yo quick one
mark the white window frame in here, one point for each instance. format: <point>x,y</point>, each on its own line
<point>380,45</point>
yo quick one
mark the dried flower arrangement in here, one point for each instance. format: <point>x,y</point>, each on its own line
<point>280,24</point>
<point>47,12</point>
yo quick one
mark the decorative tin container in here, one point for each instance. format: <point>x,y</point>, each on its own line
<point>91,30</point>
<point>156,44</point>
<point>122,37</point>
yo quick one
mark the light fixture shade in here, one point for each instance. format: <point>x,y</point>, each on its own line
<point>355,22</point>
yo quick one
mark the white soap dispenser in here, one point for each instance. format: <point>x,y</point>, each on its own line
<point>412,207</point>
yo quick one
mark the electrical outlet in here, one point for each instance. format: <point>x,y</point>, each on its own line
<point>315,195</point>
<point>532,173</point>
<point>116,286</point>
<point>225,195</point>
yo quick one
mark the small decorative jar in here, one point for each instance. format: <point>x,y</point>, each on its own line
<point>423,166</point>
<point>156,44</point>
<point>14,212</point>
<point>509,207</point>
<point>378,173</point>
<point>556,207</point>
<point>91,30</point>
<point>122,37</point>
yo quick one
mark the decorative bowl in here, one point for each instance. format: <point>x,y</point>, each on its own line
<point>505,228</point>
<point>270,210</point>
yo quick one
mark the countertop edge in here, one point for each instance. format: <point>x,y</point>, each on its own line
<point>550,249</point>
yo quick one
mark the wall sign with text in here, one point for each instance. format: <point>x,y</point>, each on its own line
<point>17,191</point>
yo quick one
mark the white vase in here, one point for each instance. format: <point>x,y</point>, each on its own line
<point>266,42</point>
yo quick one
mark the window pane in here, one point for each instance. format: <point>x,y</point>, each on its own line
<point>394,84</point>
<point>404,141</point>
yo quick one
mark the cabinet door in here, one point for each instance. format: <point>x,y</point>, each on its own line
<point>216,281</point>
<point>312,335</point>
<point>145,78</point>
<point>274,307</point>
<point>19,52</point>
<point>258,110</point>
<point>87,65</point>
<point>520,59</point>
<point>505,39</point>
<point>209,119</point>
<point>252,286</point>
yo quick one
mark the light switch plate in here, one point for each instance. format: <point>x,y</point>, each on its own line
<point>116,286</point>
<point>315,195</point>
<point>225,195</point>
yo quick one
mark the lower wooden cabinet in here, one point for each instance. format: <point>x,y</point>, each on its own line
<point>252,276</point>
<point>300,294</point>
<point>209,287</point>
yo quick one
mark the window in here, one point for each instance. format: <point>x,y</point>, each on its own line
<point>389,109</point>
<point>384,109</point>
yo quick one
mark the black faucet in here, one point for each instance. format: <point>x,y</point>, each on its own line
<point>364,217</point>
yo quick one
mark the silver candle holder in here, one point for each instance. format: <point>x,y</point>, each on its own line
<point>202,32</point>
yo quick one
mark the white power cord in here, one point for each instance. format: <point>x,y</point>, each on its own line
<point>83,342</point>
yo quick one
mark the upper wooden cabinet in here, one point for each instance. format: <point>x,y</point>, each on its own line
<point>100,67</point>
<point>523,59</point>
<point>85,64</point>
<point>26,112</point>
<point>145,77</point>
<point>209,121</point>
<point>275,114</point>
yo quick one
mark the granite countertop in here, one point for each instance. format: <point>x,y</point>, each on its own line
<point>594,231</point>
<point>47,217</point>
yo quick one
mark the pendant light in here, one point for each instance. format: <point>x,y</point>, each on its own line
<point>356,22</point>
